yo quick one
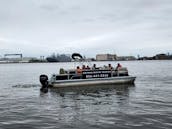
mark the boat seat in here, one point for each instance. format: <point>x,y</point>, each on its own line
<point>122,71</point>
<point>76,77</point>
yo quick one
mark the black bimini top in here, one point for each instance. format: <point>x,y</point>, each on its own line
<point>76,56</point>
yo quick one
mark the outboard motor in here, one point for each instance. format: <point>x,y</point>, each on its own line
<point>44,81</point>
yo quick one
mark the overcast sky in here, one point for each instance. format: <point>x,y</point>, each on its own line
<point>90,27</point>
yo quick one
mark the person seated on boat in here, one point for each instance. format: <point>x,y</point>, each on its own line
<point>78,70</point>
<point>62,71</point>
<point>94,66</point>
<point>87,67</point>
<point>118,66</point>
<point>110,67</point>
<point>83,67</point>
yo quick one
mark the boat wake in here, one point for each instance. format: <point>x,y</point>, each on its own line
<point>25,85</point>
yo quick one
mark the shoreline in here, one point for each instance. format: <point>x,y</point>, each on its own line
<point>82,61</point>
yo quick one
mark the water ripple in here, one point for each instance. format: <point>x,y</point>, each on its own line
<point>147,104</point>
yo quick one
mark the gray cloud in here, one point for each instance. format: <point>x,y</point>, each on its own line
<point>36,27</point>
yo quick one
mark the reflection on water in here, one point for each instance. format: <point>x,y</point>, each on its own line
<point>88,106</point>
<point>86,90</point>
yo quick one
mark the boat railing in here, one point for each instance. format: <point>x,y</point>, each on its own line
<point>91,73</point>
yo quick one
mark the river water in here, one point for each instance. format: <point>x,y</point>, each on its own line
<point>147,104</point>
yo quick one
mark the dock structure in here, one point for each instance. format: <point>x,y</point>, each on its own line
<point>6,55</point>
<point>10,58</point>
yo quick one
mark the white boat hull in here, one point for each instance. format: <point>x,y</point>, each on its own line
<point>93,81</point>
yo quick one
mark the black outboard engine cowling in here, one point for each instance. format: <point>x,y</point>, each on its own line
<point>44,81</point>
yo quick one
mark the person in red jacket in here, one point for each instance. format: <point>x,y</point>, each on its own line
<point>118,66</point>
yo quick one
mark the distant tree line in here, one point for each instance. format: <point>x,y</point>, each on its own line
<point>59,58</point>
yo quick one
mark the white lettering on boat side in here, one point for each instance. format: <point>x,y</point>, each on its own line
<point>97,75</point>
